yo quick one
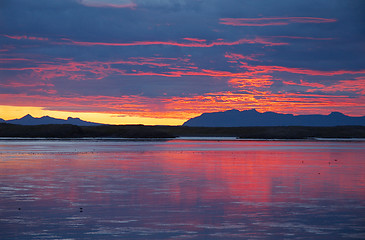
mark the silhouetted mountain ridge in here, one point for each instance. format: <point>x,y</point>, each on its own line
<point>45,120</point>
<point>253,118</point>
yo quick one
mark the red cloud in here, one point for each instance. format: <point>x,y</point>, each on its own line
<point>273,21</point>
<point>357,86</point>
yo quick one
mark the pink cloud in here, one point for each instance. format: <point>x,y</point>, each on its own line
<point>194,42</point>
<point>18,37</point>
<point>99,70</point>
<point>14,84</point>
<point>273,21</point>
<point>270,69</point>
<point>173,67</point>
<point>195,39</point>
<point>236,56</point>
<point>200,44</point>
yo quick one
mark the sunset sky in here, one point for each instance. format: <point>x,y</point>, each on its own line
<point>165,61</point>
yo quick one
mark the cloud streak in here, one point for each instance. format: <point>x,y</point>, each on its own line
<point>109,3</point>
<point>24,37</point>
<point>195,44</point>
<point>273,21</point>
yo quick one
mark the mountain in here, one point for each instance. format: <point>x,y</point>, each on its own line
<point>2,120</point>
<point>252,118</point>
<point>29,120</point>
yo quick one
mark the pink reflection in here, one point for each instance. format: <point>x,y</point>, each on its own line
<point>194,186</point>
<point>260,172</point>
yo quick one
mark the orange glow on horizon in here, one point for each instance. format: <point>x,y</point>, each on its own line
<point>13,112</point>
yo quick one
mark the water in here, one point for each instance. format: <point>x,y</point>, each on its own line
<point>182,189</point>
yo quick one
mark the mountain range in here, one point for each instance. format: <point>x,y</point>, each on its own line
<point>253,118</point>
<point>29,120</point>
<point>230,118</point>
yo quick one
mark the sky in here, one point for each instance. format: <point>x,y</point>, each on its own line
<point>161,62</point>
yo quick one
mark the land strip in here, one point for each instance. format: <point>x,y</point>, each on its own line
<point>141,131</point>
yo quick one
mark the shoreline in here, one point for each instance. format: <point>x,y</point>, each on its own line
<point>114,132</point>
<point>219,139</point>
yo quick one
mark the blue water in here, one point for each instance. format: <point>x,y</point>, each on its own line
<point>181,189</point>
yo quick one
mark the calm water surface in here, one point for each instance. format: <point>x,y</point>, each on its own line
<point>182,189</point>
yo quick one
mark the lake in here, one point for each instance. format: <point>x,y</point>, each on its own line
<point>181,189</point>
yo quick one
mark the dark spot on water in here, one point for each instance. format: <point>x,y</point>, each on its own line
<point>19,209</point>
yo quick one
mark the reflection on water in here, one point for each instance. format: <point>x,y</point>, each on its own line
<point>182,189</point>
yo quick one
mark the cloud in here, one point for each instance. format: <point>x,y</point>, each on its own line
<point>194,44</point>
<point>271,69</point>
<point>26,37</point>
<point>195,39</point>
<point>109,3</point>
<point>237,56</point>
<point>301,38</point>
<point>356,85</point>
<point>273,21</point>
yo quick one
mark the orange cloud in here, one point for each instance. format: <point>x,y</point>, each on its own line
<point>252,83</point>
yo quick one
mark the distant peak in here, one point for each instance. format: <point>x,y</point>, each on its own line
<point>71,118</point>
<point>233,110</point>
<point>336,114</point>
<point>251,111</point>
<point>28,116</point>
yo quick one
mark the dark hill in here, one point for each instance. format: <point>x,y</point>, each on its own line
<point>252,118</point>
<point>29,120</point>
